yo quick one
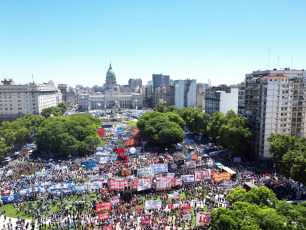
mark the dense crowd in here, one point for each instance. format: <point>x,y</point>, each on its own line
<point>180,203</point>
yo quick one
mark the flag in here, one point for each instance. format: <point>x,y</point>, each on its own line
<point>10,198</point>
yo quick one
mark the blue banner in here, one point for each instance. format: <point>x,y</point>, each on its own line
<point>10,198</point>
<point>89,164</point>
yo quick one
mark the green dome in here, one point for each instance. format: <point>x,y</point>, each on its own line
<point>110,73</point>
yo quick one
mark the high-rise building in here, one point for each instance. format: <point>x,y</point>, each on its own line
<point>135,85</point>
<point>159,80</point>
<point>18,100</point>
<point>275,103</point>
<point>221,99</point>
<point>201,95</point>
<point>185,93</point>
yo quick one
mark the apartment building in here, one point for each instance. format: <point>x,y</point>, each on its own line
<point>275,103</point>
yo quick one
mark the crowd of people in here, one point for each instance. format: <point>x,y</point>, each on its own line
<point>31,187</point>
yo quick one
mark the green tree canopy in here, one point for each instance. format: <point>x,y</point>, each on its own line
<point>58,110</point>
<point>289,153</point>
<point>258,209</point>
<point>164,129</point>
<point>64,136</point>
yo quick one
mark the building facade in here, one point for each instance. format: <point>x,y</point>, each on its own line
<point>275,103</point>
<point>111,94</point>
<point>222,99</point>
<point>19,100</point>
<point>185,93</point>
<point>159,80</point>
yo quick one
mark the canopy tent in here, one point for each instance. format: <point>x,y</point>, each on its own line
<point>227,169</point>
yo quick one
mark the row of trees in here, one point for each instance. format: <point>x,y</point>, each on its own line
<point>16,134</point>
<point>228,130</point>
<point>258,209</point>
<point>59,135</point>
<point>58,110</point>
<point>289,153</point>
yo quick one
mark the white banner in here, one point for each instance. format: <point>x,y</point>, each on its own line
<point>143,184</point>
<point>187,217</point>
<point>202,175</point>
<point>158,168</point>
<point>187,178</point>
<point>150,204</point>
<point>203,218</point>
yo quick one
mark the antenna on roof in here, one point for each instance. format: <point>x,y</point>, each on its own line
<point>32,78</point>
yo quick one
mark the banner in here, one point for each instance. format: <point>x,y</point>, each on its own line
<point>146,172</point>
<point>109,227</point>
<point>222,176</point>
<point>115,199</point>
<point>191,164</point>
<point>95,185</point>
<point>202,175</point>
<point>103,216</point>
<point>143,184</point>
<point>150,204</point>
<point>187,178</point>
<point>164,183</point>
<point>145,222</point>
<point>187,217</point>
<point>80,188</point>
<point>158,168</point>
<point>202,218</point>
<point>126,172</point>
<point>101,132</point>
<point>120,150</point>
<point>89,164</point>
<point>118,184</point>
<point>178,182</point>
<point>186,207</point>
<point>103,206</point>
<point>130,142</point>
<point>10,198</point>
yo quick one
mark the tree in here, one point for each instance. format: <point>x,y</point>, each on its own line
<point>258,209</point>
<point>58,110</point>
<point>195,119</point>
<point>64,136</point>
<point>289,153</point>
<point>215,123</point>
<point>234,134</point>
<point>163,129</point>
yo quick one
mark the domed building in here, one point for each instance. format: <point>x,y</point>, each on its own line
<point>110,95</point>
<point>110,76</point>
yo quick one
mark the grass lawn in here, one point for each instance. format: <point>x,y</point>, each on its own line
<point>132,123</point>
<point>10,211</point>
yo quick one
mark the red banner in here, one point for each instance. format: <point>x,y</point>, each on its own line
<point>130,142</point>
<point>202,175</point>
<point>145,222</point>
<point>118,184</point>
<point>119,150</point>
<point>141,181</point>
<point>103,206</point>
<point>126,172</point>
<point>101,132</point>
<point>103,216</point>
<point>222,176</point>
<point>139,208</point>
<point>186,207</point>
<point>109,227</point>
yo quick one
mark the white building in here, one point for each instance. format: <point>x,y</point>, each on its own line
<point>110,96</point>
<point>275,103</point>
<point>221,99</point>
<point>18,100</point>
<point>185,93</point>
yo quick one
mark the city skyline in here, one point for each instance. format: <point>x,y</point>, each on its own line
<point>73,43</point>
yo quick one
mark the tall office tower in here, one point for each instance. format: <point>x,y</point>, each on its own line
<point>159,80</point>
<point>185,93</point>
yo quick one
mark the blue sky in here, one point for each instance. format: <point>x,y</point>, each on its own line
<point>71,41</point>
